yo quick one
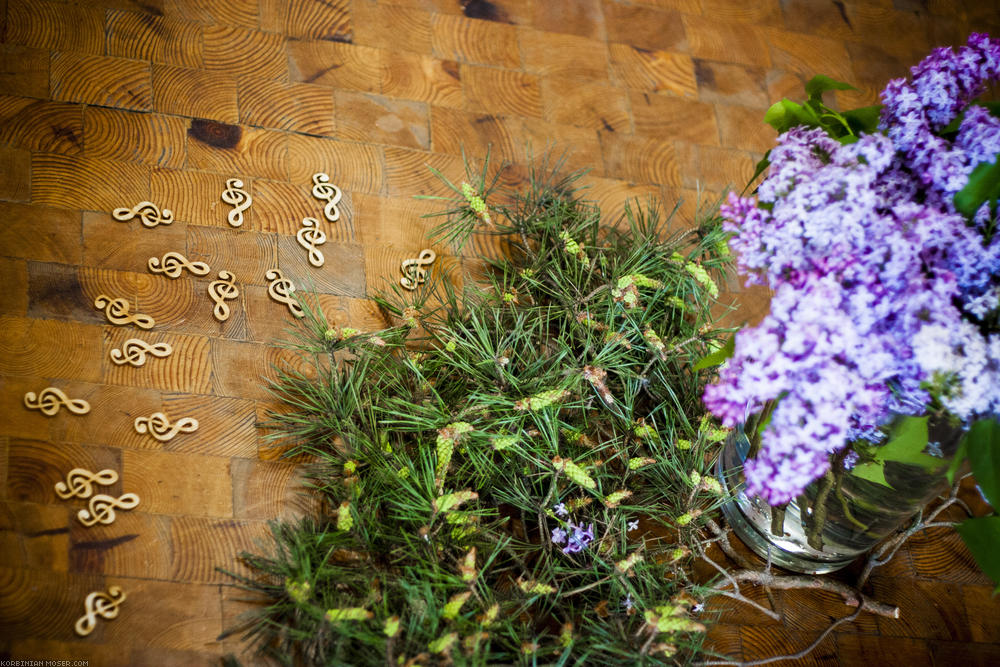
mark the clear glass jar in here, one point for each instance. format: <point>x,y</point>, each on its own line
<point>838,517</point>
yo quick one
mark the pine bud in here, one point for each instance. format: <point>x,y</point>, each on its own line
<point>532,587</point>
<point>615,499</point>
<point>348,614</point>
<point>636,463</point>
<point>625,565</point>
<point>443,643</point>
<point>345,521</point>
<point>391,628</point>
<point>451,501</point>
<point>454,604</point>
<point>299,591</point>
<point>467,568</point>
<point>574,472</point>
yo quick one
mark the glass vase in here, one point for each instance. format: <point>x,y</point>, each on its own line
<point>838,517</point>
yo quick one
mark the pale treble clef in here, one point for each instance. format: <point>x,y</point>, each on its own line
<point>238,198</point>
<point>173,263</point>
<point>158,426</point>
<point>105,605</point>
<point>413,270</point>
<point>51,399</point>
<point>101,508</point>
<point>281,289</point>
<point>148,212</point>
<point>134,351</point>
<point>220,291</point>
<point>331,194</point>
<point>80,483</point>
<point>309,236</point>
<point>117,312</point>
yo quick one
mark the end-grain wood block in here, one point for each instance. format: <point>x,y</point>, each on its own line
<point>175,483</point>
<point>43,607</point>
<point>234,149</point>
<point>87,183</point>
<point>453,131</point>
<point>711,39</point>
<point>397,222</point>
<point>246,255</point>
<point>555,54</point>
<point>55,26</point>
<point>243,52</point>
<point>201,544</point>
<point>127,136</point>
<point>299,107</point>
<point>645,27</point>
<point>578,17</point>
<point>670,118</point>
<point>342,274</point>
<point>381,120</point>
<point>137,545</point>
<point>280,207</point>
<point>112,416</point>
<point>880,27</point>
<point>342,66</point>
<point>811,611</point>
<point>42,126</point>
<point>158,39</point>
<point>612,195</point>
<point>407,172</point>
<point>351,166</point>
<point>475,41</point>
<point>653,71</point>
<point>188,368</point>
<point>382,269</point>
<point>14,299</point>
<point>50,349</point>
<point>108,244</point>
<point>724,639</point>
<point>720,168</point>
<point>807,55</point>
<point>765,12</point>
<point>101,80</point>
<point>40,233</point>
<point>24,71</point>
<point>579,146</point>
<point>501,91</point>
<point>597,106</point>
<point>183,306</point>
<point>55,291</point>
<point>933,609</point>
<point>940,553</point>
<point>244,369</point>
<point>225,425</point>
<point>24,648</point>
<point>270,489</point>
<point>640,160</point>
<point>195,197</point>
<point>982,608</point>
<point>421,78</point>
<point>195,93</point>
<point>35,536</point>
<point>36,466</point>
<point>765,641</point>
<point>731,84</point>
<point>391,27</point>
<point>744,127</point>
<point>867,649</point>
<point>306,19</point>
<point>243,13</point>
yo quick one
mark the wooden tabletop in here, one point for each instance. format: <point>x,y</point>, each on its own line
<point>104,105</point>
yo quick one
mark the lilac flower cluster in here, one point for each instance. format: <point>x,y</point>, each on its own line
<point>577,539</point>
<point>881,289</point>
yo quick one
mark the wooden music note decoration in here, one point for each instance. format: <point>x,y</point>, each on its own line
<point>331,194</point>
<point>117,312</point>
<point>134,352</point>
<point>51,399</point>
<point>158,426</point>
<point>220,291</point>
<point>309,236</point>
<point>98,604</point>
<point>413,270</point>
<point>80,483</point>
<point>281,289</point>
<point>173,263</point>
<point>101,508</point>
<point>148,212</point>
<point>235,196</point>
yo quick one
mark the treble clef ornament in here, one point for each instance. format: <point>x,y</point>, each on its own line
<point>220,291</point>
<point>101,508</point>
<point>158,426</point>
<point>51,399</point>
<point>281,289</point>
<point>80,483</point>
<point>173,263</point>
<point>117,312</point>
<point>134,351</point>
<point>105,605</point>
<point>148,212</point>
<point>413,270</point>
<point>235,196</point>
<point>331,194</point>
<point>309,236</point>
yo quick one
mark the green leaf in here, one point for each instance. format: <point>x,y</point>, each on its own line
<point>764,163</point>
<point>785,115</point>
<point>983,443</point>
<point>863,119</point>
<point>906,444</point>
<point>717,357</point>
<point>982,537</point>
<point>872,471</point>
<point>821,83</point>
<point>983,185</point>
<point>956,462</point>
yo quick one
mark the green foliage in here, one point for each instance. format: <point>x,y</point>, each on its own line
<point>982,537</point>
<point>451,446</point>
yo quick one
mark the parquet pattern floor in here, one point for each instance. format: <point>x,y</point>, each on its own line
<point>104,104</point>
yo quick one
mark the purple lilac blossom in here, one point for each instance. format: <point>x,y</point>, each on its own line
<point>880,286</point>
<point>558,535</point>
<point>579,538</point>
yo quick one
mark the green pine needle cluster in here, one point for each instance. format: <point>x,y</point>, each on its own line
<point>555,399</point>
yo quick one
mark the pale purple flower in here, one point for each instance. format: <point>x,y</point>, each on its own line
<point>579,538</point>
<point>560,509</point>
<point>558,535</point>
<point>632,525</point>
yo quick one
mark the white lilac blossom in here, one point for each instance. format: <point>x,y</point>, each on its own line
<point>881,288</point>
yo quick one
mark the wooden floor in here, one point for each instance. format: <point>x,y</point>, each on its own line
<point>107,104</point>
